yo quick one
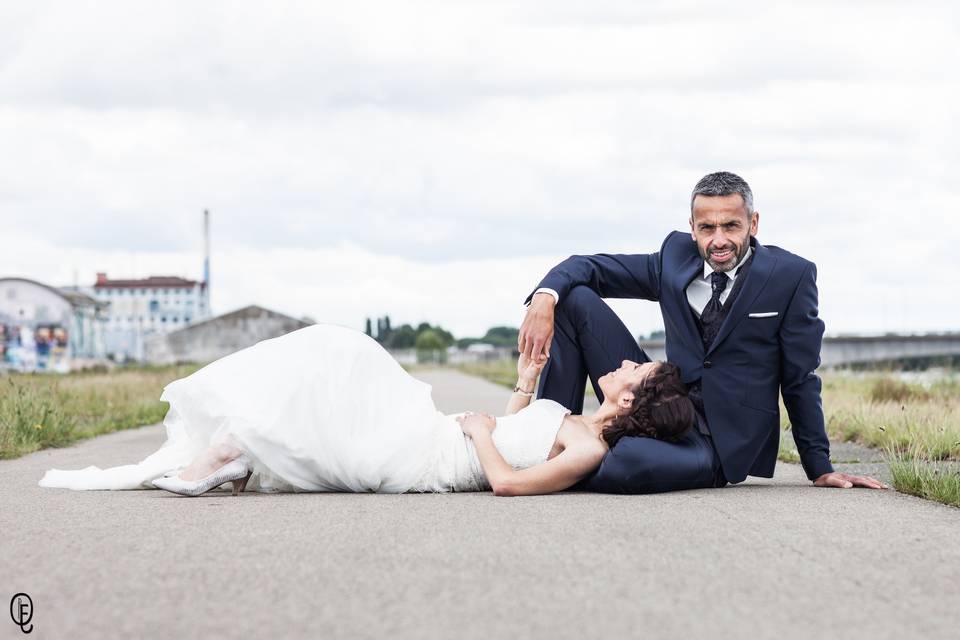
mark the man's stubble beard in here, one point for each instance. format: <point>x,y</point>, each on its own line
<point>733,264</point>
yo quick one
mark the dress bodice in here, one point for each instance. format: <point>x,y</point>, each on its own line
<point>524,439</point>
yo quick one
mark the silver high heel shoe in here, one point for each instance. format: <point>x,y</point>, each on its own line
<point>237,472</point>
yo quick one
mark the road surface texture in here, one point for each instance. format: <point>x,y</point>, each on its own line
<point>764,559</point>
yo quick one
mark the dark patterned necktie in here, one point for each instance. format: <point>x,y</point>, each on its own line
<point>711,318</point>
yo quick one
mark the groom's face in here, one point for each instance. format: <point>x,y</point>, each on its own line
<point>721,227</point>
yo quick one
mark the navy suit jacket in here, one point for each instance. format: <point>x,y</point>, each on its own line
<point>750,362</point>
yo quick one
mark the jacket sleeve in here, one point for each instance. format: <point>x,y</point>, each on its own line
<point>801,336</point>
<point>619,275</point>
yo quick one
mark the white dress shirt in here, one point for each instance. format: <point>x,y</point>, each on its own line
<point>698,292</point>
<point>556,296</point>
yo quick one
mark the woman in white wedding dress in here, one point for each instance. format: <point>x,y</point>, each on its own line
<point>326,408</point>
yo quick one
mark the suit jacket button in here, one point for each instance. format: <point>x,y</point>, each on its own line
<point>707,364</point>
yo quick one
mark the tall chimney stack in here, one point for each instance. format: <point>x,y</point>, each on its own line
<point>206,249</point>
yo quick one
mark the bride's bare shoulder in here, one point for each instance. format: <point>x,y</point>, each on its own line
<point>575,432</point>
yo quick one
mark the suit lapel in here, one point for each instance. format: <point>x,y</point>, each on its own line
<point>688,270</point>
<point>756,279</point>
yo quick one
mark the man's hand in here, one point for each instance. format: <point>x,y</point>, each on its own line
<point>846,481</point>
<point>536,332</point>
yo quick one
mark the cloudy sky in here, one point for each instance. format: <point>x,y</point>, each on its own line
<point>432,160</point>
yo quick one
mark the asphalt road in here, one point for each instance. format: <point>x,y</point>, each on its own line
<point>768,558</point>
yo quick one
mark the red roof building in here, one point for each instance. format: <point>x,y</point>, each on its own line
<point>153,282</point>
<point>144,307</point>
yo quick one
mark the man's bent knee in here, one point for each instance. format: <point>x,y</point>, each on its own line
<point>579,301</point>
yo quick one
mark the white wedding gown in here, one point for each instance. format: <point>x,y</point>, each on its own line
<point>324,408</point>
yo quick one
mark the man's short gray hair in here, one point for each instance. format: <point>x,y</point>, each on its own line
<point>723,183</point>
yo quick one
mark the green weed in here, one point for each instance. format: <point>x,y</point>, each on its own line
<point>48,410</point>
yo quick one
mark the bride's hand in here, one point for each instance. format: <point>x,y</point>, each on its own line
<point>470,422</point>
<point>528,369</point>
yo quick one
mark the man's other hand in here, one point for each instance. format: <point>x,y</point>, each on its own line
<point>846,481</point>
<point>536,332</point>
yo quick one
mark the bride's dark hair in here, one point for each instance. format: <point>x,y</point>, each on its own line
<point>661,408</point>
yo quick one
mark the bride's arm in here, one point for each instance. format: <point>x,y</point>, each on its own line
<point>519,399</point>
<point>577,460</point>
<point>527,373</point>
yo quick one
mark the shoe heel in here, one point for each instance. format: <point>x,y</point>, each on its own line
<point>241,483</point>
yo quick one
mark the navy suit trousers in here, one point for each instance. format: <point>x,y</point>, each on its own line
<point>590,340</point>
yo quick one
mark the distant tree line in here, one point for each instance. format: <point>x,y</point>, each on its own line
<point>429,337</point>
<point>406,336</point>
<point>497,336</point>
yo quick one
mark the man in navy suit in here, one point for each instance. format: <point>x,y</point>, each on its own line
<point>741,322</point>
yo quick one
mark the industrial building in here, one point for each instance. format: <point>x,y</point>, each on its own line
<point>216,337</point>
<point>142,308</point>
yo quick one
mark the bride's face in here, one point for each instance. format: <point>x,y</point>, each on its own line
<point>618,385</point>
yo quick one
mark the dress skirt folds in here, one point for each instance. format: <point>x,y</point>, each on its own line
<point>324,408</point>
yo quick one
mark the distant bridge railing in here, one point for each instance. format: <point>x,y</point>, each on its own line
<point>837,351</point>
<point>846,350</point>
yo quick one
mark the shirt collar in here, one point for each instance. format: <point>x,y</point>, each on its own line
<point>707,269</point>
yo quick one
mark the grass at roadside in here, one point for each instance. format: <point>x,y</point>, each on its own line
<point>502,372</point>
<point>914,472</point>
<point>47,410</point>
<point>881,412</point>
<point>917,425</point>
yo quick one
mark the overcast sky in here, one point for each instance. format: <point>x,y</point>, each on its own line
<point>432,160</point>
